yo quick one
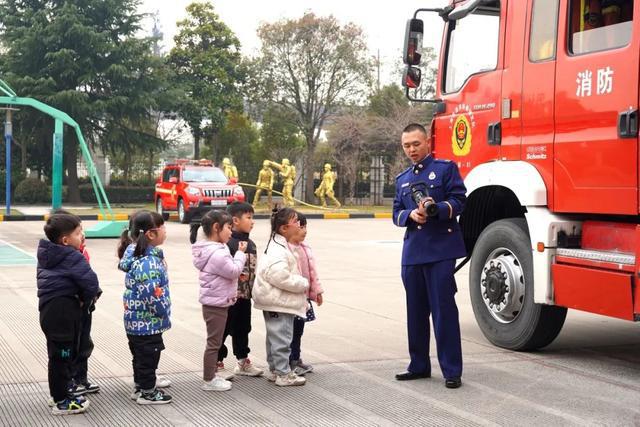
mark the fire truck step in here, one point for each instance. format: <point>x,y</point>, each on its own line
<point>599,259</point>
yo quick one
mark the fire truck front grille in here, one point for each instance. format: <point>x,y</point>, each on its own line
<point>217,193</point>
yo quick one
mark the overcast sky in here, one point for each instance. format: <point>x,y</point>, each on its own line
<point>383,25</point>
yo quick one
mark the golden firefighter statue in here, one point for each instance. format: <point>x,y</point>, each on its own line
<point>265,182</point>
<point>326,187</point>
<point>288,175</point>
<point>229,170</point>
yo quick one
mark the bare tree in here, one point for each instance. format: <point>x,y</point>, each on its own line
<point>310,66</point>
<point>348,141</point>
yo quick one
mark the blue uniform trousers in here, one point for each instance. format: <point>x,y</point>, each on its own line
<point>431,289</point>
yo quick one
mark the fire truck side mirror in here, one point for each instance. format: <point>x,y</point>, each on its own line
<point>413,42</point>
<point>411,77</point>
<point>173,180</point>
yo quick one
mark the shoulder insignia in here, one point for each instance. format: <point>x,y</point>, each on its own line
<point>442,160</point>
<point>404,171</point>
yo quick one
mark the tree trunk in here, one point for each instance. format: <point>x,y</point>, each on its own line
<point>308,171</point>
<point>196,144</point>
<point>150,167</point>
<point>71,156</point>
<point>127,168</point>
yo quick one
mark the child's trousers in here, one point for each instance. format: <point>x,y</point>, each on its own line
<point>298,330</point>
<point>279,335</point>
<point>145,350</point>
<point>60,322</point>
<point>238,326</point>
<point>85,348</point>
<point>215,319</point>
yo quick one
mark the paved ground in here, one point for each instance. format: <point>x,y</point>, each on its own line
<point>589,376</point>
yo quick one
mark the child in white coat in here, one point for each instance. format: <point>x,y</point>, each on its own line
<point>281,292</point>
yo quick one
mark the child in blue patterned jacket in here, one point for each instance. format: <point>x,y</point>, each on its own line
<point>147,301</point>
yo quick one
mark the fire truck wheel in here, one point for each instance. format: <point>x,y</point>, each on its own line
<point>501,288</point>
<point>160,209</point>
<point>182,214</point>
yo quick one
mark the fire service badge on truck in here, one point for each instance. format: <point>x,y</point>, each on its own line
<point>462,123</point>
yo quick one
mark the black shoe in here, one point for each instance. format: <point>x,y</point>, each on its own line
<point>453,382</point>
<point>406,376</point>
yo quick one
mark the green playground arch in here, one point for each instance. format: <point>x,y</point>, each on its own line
<point>106,228</point>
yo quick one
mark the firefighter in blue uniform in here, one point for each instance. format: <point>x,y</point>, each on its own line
<point>432,242</point>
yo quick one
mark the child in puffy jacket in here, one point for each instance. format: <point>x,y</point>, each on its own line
<point>66,284</point>
<point>147,302</point>
<point>219,273</point>
<point>281,293</point>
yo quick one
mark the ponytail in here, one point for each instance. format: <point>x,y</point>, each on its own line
<point>139,223</point>
<point>193,232</point>
<point>124,242</point>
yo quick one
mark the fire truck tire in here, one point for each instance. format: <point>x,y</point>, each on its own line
<point>160,209</point>
<point>501,288</point>
<point>182,213</point>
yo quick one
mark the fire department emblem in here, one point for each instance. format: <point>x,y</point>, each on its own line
<point>461,136</point>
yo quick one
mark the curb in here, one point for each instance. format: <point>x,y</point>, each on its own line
<point>125,217</point>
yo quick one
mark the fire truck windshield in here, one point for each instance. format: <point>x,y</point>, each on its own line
<point>203,175</point>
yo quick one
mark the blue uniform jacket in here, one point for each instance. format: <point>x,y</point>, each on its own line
<point>440,237</point>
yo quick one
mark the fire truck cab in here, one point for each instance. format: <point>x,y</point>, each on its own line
<point>192,187</point>
<point>537,103</point>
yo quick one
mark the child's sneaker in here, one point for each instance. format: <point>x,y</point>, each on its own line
<point>52,402</point>
<point>216,384</point>
<point>135,394</point>
<point>84,388</point>
<point>271,376</point>
<point>245,367</point>
<point>221,372</point>
<point>70,406</point>
<point>162,382</point>
<point>301,368</point>
<point>154,397</point>
<point>289,379</point>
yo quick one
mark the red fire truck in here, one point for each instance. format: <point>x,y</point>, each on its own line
<point>192,187</point>
<point>537,103</point>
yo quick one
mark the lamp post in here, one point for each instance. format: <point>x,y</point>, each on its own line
<point>8,138</point>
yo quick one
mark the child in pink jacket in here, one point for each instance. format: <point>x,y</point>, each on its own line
<point>307,267</point>
<point>219,273</point>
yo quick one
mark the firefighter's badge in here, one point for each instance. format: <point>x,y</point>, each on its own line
<point>461,136</point>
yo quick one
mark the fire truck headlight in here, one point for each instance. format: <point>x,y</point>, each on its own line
<point>193,191</point>
<point>238,191</point>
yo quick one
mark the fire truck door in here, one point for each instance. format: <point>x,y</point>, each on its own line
<point>596,150</point>
<point>470,87</point>
<point>538,85</point>
<point>169,197</point>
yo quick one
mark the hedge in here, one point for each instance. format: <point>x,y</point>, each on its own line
<point>119,194</point>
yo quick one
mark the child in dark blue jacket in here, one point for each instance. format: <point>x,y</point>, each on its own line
<point>66,283</point>
<point>147,302</point>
